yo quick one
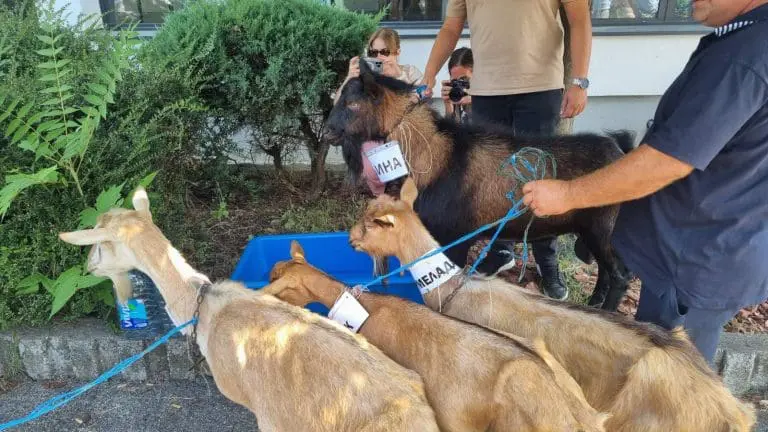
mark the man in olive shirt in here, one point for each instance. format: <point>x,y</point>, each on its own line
<point>518,77</point>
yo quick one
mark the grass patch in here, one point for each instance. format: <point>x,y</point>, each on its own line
<point>573,270</point>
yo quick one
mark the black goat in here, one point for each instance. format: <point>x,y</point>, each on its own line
<point>455,168</point>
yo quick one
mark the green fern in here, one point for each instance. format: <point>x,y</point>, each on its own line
<point>60,130</point>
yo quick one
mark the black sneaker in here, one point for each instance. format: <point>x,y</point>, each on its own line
<point>499,259</point>
<point>553,287</point>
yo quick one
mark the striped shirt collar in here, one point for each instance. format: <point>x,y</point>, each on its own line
<point>727,28</point>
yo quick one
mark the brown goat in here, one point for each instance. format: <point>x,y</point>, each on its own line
<point>456,168</point>
<point>476,379</point>
<point>294,370</point>
<point>647,378</point>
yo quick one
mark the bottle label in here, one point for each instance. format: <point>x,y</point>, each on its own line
<point>133,314</point>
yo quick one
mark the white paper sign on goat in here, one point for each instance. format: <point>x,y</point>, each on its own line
<point>388,161</point>
<point>434,271</point>
<point>348,312</point>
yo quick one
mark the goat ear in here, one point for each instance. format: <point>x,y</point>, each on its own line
<point>385,220</point>
<point>141,202</point>
<point>409,192</point>
<point>297,252</point>
<point>86,237</point>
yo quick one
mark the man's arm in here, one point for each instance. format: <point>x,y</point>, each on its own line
<point>580,24</point>
<point>445,42</point>
<point>578,16</point>
<point>642,172</point>
<point>709,109</point>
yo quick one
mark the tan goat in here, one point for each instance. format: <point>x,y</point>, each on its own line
<point>295,370</point>
<point>647,378</point>
<point>476,379</point>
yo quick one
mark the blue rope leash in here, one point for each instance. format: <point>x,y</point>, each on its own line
<point>65,398</point>
<point>536,171</point>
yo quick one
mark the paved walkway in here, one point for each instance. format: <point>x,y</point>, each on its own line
<point>178,406</point>
<point>126,406</point>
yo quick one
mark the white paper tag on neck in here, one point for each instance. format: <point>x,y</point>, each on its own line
<point>434,271</point>
<point>348,312</point>
<point>387,161</point>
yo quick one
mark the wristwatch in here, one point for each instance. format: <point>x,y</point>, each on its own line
<point>581,82</point>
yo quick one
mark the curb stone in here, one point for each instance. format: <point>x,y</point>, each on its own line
<point>87,348</point>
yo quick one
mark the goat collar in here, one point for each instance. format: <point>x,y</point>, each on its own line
<point>347,311</point>
<point>459,281</point>
<point>197,356</point>
<point>408,110</point>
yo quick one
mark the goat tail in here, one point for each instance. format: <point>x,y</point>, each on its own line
<point>624,138</point>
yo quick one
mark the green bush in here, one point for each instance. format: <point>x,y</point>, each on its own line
<point>269,64</point>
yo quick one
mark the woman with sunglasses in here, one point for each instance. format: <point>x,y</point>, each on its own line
<point>384,44</point>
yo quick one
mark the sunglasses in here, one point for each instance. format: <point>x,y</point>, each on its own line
<point>375,53</point>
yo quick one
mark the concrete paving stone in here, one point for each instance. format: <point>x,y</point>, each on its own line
<point>34,357</point>
<point>84,357</point>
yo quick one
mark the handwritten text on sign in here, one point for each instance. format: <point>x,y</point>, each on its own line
<point>348,312</point>
<point>433,272</point>
<point>388,161</point>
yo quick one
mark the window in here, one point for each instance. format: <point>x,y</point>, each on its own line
<point>425,12</point>
<point>603,11</point>
<point>661,11</point>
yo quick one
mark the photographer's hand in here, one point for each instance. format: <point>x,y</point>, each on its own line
<point>444,90</point>
<point>391,68</point>
<point>354,67</point>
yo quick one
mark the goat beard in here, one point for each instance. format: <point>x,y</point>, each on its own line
<point>351,151</point>
<point>380,267</point>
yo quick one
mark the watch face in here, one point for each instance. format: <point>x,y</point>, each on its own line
<point>581,82</point>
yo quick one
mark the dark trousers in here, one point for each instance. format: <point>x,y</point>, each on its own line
<point>704,326</point>
<point>527,114</point>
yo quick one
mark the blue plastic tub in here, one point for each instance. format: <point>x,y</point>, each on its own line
<point>329,252</point>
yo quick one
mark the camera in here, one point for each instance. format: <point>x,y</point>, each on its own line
<point>374,64</point>
<point>459,88</point>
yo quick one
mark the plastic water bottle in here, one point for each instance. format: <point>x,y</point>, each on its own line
<point>144,315</point>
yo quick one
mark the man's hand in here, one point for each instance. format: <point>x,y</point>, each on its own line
<point>548,197</point>
<point>574,101</point>
<point>429,81</point>
<point>640,173</point>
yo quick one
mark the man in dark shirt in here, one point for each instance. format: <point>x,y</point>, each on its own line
<point>694,220</point>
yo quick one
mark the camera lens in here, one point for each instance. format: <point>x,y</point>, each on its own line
<point>456,94</point>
